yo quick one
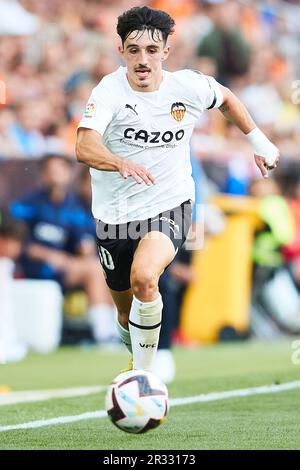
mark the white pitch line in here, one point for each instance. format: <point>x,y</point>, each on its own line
<point>59,420</point>
<point>213,396</point>
<point>244,392</point>
<point>12,398</point>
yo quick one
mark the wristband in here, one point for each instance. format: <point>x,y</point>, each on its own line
<point>263,146</point>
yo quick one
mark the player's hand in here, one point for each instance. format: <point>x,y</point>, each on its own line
<point>57,259</point>
<point>265,166</point>
<point>266,154</point>
<point>137,172</point>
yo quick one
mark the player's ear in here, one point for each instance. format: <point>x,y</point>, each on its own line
<point>166,53</point>
<point>121,49</point>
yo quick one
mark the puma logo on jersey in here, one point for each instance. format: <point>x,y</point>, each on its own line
<point>132,109</point>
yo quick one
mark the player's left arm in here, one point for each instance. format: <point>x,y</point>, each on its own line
<point>266,154</point>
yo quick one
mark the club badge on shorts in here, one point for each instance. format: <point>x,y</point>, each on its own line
<point>178,111</point>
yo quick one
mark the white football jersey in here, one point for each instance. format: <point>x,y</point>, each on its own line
<point>152,129</point>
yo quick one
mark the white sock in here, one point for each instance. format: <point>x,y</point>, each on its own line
<point>102,319</point>
<point>125,336</point>
<point>144,327</point>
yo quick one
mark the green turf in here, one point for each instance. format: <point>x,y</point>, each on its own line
<point>257,422</point>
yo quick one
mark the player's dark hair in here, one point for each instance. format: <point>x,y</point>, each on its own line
<point>145,18</point>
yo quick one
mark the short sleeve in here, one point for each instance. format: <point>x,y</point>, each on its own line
<point>99,110</point>
<point>208,90</point>
<point>214,97</point>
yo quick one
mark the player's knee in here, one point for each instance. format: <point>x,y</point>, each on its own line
<point>143,284</point>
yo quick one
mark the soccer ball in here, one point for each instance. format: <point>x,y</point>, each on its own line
<point>137,401</point>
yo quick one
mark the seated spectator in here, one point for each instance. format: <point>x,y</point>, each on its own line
<point>8,147</point>
<point>12,233</point>
<point>26,132</point>
<point>57,247</point>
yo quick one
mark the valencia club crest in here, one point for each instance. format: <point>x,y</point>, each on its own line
<point>178,111</point>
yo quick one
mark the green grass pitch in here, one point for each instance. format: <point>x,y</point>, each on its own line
<point>269,421</point>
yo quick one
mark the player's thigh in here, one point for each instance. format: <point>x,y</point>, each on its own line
<point>154,252</point>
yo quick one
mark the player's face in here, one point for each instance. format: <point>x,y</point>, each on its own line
<point>144,55</point>
<point>56,173</point>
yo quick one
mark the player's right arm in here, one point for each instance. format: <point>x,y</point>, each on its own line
<point>100,111</point>
<point>91,151</point>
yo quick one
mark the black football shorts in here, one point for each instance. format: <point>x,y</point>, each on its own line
<point>117,243</point>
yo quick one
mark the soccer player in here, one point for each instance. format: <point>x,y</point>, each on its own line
<point>134,136</point>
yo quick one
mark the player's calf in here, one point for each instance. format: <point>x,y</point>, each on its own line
<point>144,327</point>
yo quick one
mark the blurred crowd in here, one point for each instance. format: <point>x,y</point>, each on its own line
<point>52,53</point>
